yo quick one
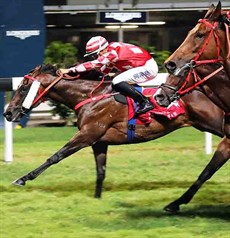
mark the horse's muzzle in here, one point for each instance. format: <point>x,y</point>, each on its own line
<point>8,115</point>
<point>14,116</point>
<point>162,99</point>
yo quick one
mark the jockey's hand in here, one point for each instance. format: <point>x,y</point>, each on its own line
<point>65,71</point>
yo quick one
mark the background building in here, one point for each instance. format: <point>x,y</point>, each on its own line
<point>76,21</point>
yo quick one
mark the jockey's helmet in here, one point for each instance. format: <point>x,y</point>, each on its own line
<point>95,45</point>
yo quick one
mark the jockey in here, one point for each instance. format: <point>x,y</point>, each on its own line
<point>134,65</point>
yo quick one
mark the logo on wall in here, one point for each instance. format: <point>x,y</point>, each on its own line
<point>121,17</point>
<point>23,34</point>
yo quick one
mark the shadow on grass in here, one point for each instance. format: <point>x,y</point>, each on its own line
<point>140,209</point>
<point>219,211</point>
<point>76,186</point>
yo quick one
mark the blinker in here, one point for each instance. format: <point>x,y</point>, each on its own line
<point>31,94</point>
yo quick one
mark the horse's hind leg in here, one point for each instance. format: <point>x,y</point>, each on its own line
<point>100,152</point>
<point>219,158</point>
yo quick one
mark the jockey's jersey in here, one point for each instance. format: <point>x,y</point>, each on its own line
<point>120,56</point>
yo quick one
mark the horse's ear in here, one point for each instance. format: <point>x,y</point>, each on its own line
<point>216,13</point>
<point>210,11</point>
<point>37,68</point>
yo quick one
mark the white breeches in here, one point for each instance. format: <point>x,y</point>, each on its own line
<point>138,75</point>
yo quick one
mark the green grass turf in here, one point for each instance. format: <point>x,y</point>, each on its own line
<point>141,180</point>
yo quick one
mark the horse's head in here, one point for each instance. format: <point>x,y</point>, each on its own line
<point>200,57</point>
<point>177,86</point>
<point>45,82</point>
<point>208,40</point>
<point>28,94</point>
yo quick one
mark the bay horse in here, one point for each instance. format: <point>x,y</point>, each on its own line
<point>202,63</point>
<point>204,53</point>
<point>104,122</point>
<point>207,43</point>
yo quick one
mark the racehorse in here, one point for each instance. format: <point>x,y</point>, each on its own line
<point>205,52</point>
<point>202,63</point>
<point>103,122</point>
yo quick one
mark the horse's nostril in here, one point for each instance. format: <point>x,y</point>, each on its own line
<point>158,97</point>
<point>8,116</point>
<point>170,66</point>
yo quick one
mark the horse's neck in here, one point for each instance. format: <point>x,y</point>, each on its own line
<point>71,93</point>
<point>227,68</point>
<point>92,88</point>
<point>217,89</point>
<point>196,104</point>
<point>220,97</point>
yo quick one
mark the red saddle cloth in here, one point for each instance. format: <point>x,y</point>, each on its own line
<point>172,111</point>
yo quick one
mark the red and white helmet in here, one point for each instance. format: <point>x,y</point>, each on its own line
<point>95,45</point>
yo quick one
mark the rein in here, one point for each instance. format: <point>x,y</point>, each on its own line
<point>197,79</point>
<point>93,99</point>
<point>94,89</point>
<point>195,62</point>
<point>45,91</point>
<point>68,77</point>
<point>96,98</point>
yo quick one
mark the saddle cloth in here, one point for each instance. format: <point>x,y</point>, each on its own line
<point>172,111</point>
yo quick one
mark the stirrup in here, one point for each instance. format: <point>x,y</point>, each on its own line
<point>147,107</point>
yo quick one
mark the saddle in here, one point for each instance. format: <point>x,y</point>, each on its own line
<point>170,112</point>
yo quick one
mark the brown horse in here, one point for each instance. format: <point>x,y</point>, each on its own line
<point>104,122</point>
<point>202,63</point>
<point>204,53</point>
<point>207,43</point>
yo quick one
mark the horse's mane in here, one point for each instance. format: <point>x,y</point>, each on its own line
<point>91,75</point>
<point>52,69</point>
<point>49,69</point>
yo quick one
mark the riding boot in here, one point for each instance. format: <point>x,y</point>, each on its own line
<point>130,91</point>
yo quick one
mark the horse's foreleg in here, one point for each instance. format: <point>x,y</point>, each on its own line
<point>79,141</point>
<point>100,152</point>
<point>219,158</point>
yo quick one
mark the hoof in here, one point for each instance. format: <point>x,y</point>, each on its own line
<point>97,196</point>
<point>172,208</point>
<point>19,182</point>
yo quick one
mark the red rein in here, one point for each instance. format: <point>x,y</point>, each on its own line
<point>192,71</point>
<point>41,93</point>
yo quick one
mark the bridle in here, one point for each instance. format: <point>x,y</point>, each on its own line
<point>191,66</point>
<point>42,92</point>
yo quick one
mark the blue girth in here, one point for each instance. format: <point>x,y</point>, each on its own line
<point>132,123</point>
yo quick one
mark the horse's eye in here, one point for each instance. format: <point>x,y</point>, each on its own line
<point>23,88</point>
<point>199,35</point>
